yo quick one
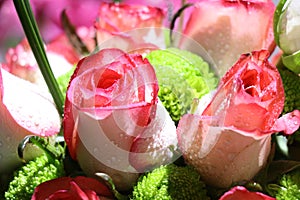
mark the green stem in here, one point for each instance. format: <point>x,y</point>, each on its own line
<point>35,41</point>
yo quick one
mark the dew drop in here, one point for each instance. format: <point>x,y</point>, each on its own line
<point>95,150</point>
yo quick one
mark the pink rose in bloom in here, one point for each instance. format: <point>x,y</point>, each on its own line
<point>229,28</point>
<point>79,187</point>
<point>22,112</point>
<point>240,192</point>
<point>230,140</point>
<point>111,107</point>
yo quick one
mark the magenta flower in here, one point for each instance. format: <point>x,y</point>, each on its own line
<point>240,192</point>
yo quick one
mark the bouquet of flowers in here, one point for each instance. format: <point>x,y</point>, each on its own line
<point>192,100</point>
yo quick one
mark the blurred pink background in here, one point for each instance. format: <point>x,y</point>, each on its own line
<point>81,13</point>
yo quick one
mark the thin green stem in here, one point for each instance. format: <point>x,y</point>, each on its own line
<point>35,41</point>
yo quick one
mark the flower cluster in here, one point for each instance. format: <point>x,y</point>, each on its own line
<point>144,101</point>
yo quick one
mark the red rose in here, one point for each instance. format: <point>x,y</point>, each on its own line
<point>79,187</point>
<point>230,141</point>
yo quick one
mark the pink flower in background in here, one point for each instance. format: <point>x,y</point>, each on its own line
<point>79,187</point>
<point>117,19</point>
<point>240,192</point>
<point>21,62</point>
<point>230,140</point>
<point>227,29</point>
<point>22,111</point>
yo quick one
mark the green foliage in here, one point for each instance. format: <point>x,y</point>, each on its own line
<point>170,182</point>
<point>63,81</point>
<point>35,172</point>
<point>182,76</point>
<point>288,186</point>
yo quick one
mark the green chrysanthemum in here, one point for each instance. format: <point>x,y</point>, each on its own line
<point>287,186</point>
<point>182,76</point>
<point>170,182</point>
<point>63,81</point>
<point>37,171</point>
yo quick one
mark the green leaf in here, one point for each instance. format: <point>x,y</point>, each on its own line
<point>280,167</point>
<point>37,46</point>
<point>292,62</point>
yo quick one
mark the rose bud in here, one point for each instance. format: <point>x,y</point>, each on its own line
<point>287,33</point>
<point>112,116</point>
<point>230,140</point>
<point>240,192</point>
<point>79,187</point>
<point>229,28</point>
<point>25,109</point>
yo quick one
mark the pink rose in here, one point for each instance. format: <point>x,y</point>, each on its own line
<point>113,20</point>
<point>230,140</point>
<point>240,192</point>
<point>21,62</point>
<point>25,109</point>
<point>79,187</point>
<point>229,28</point>
<point>110,111</point>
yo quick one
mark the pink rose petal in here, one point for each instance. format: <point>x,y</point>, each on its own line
<point>79,187</point>
<point>240,192</point>
<point>25,109</point>
<point>288,123</point>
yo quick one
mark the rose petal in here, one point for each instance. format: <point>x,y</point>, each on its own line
<point>222,156</point>
<point>79,187</point>
<point>22,112</point>
<point>28,104</point>
<point>288,123</point>
<point>157,145</point>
